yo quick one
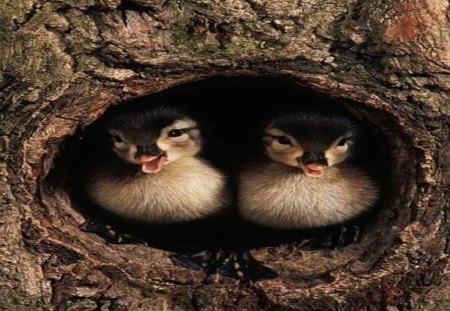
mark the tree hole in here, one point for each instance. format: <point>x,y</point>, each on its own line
<point>233,106</point>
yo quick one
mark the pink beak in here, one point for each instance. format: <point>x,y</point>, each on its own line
<point>313,170</point>
<point>151,164</point>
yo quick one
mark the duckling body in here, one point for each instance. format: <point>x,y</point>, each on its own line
<point>148,175</point>
<point>276,195</point>
<point>308,177</point>
<point>305,177</point>
<point>184,190</point>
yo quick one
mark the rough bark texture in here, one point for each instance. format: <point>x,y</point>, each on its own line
<point>64,62</point>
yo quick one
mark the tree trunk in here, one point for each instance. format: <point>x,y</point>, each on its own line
<point>63,63</point>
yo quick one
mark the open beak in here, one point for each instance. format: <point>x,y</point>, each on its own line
<point>313,164</point>
<point>313,170</point>
<point>151,158</point>
<point>152,164</point>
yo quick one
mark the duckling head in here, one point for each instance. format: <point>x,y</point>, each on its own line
<point>310,140</point>
<point>154,138</point>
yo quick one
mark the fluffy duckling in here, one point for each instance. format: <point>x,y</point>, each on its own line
<point>149,171</point>
<point>152,171</point>
<point>307,178</point>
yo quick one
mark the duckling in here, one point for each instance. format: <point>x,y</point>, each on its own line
<point>307,177</point>
<point>150,171</point>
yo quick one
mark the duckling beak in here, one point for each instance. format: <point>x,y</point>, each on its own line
<point>151,150</point>
<point>313,164</point>
<point>152,164</point>
<point>151,158</point>
<point>313,170</point>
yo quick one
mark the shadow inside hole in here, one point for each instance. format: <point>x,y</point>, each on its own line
<point>231,110</point>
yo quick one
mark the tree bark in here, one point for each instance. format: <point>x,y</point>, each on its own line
<point>63,63</point>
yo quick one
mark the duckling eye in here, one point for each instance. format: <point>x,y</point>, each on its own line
<point>342,142</point>
<point>175,133</point>
<point>117,138</point>
<point>283,140</point>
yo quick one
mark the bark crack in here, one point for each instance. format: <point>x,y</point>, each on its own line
<point>259,10</point>
<point>30,15</point>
